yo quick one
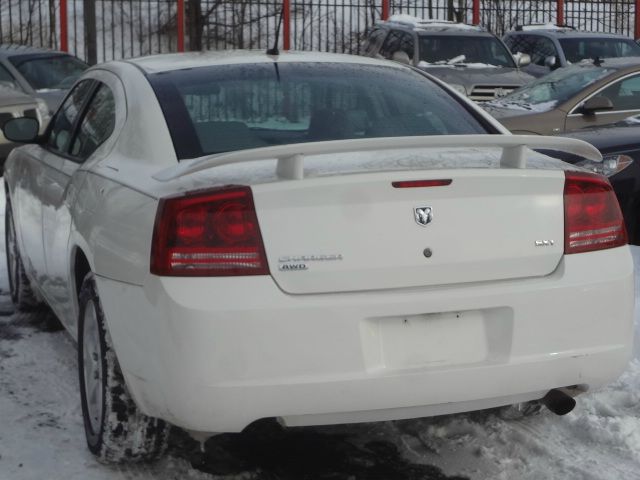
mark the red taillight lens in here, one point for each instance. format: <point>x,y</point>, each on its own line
<point>592,216</point>
<point>443,182</point>
<point>211,233</point>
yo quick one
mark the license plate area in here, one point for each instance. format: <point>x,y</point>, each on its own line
<point>438,339</point>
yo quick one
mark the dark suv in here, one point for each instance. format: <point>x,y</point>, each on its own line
<point>468,58</point>
<point>552,47</point>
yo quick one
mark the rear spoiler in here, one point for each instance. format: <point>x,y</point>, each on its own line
<point>291,157</point>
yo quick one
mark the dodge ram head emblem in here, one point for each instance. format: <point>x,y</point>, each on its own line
<point>423,215</point>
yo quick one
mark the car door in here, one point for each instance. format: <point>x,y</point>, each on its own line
<point>94,125</point>
<point>624,94</point>
<point>35,187</point>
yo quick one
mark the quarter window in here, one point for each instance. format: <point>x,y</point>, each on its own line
<point>97,124</point>
<point>65,118</point>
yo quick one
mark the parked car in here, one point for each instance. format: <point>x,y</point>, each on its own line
<point>468,58</point>
<point>238,236</point>
<point>14,104</point>
<point>579,96</point>
<point>39,72</point>
<point>551,47</point>
<point>619,144</point>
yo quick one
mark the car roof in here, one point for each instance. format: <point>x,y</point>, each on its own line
<point>432,27</point>
<point>10,50</point>
<point>179,61</point>
<point>563,32</point>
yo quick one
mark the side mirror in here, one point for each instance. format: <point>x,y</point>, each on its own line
<point>551,62</point>
<point>21,130</point>
<point>523,59</point>
<point>596,104</point>
<point>401,57</point>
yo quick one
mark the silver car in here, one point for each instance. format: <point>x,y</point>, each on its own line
<point>39,72</point>
<point>14,104</point>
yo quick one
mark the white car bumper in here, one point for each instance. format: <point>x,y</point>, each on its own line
<point>215,354</point>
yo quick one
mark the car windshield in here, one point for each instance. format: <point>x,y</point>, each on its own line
<point>553,89</point>
<point>49,72</point>
<point>234,107</point>
<point>577,49</point>
<point>477,51</point>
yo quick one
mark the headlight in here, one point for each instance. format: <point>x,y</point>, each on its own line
<point>610,165</point>
<point>459,88</point>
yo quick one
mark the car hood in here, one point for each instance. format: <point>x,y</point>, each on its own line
<point>52,98</point>
<point>471,76</point>
<point>10,96</point>
<point>498,110</point>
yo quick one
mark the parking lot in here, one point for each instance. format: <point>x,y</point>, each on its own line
<point>358,246</point>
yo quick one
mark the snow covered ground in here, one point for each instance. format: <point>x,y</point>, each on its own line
<point>41,435</point>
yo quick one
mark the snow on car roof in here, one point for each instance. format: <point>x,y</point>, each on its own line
<point>178,61</point>
<point>422,23</point>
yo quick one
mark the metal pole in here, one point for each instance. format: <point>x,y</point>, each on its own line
<point>180,25</point>
<point>90,31</point>
<point>476,12</point>
<point>286,24</point>
<point>64,34</point>
<point>637,20</point>
<point>560,12</point>
<point>386,7</point>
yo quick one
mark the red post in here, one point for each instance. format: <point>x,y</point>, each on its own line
<point>476,12</point>
<point>180,24</point>
<point>386,7</point>
<point>286,24</point>
<point>64,32</point>
<point>637,20</point>
<point>560,12</point>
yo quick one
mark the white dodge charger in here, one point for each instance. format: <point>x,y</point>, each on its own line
<point>315,238</point>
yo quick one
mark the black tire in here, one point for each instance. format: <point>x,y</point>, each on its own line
<point>115,429</point>
<point>22,295</point>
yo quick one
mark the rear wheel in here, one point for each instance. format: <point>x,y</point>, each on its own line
<point>115,429</point>
<point>22,294</point>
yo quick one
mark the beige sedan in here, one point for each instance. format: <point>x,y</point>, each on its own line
<point>582,95</point>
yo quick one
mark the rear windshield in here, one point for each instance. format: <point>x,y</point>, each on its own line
<point>465,50</point>
<point>234,107</point>
<point>577,49</point>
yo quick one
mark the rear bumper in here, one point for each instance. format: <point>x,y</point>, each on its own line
<point>215,354</point>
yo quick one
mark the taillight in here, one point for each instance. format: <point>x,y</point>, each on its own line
<point>592,216</point>
<point>208,233</point>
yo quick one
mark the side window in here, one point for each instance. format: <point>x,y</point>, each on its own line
<point>391,44</point>
<point>542,48</point>
<point>520,43</point>
<point>407,44</point>
<point>625,94</point>
<point>97,124</point>
<point>373,42</point>
<point>7,79</point>
<point>62,123</point>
